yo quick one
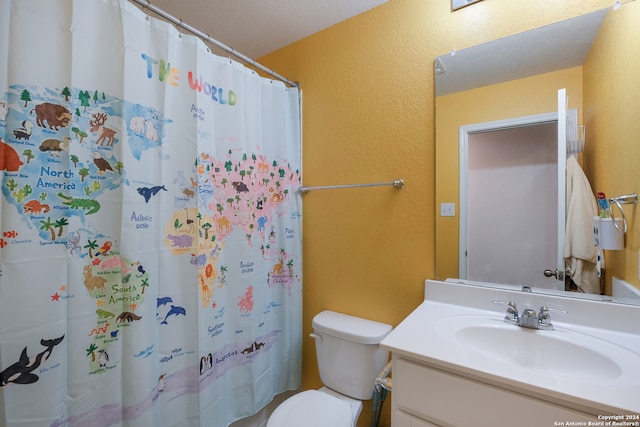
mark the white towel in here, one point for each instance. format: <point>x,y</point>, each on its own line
<point>580,253</point>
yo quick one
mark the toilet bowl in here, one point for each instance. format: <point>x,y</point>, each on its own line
<point>349,358</point>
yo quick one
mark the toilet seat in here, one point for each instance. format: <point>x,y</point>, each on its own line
<point>311,408</point>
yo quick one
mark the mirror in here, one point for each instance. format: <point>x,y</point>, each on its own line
<point>476,85</point>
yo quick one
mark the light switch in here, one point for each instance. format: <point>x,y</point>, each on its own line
<point>447,209</point>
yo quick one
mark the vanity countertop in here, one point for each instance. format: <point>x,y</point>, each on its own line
<point>429,335</point>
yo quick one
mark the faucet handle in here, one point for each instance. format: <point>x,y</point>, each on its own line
<point>544,318</point>
<point>512,311</point>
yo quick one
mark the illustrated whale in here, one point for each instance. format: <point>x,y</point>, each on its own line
<point>147,192</point>
<point>21,371</point>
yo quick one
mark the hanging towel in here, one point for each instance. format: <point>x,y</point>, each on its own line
<point>580,253</point>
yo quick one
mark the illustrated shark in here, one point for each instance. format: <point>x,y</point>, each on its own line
<point>21,371</point>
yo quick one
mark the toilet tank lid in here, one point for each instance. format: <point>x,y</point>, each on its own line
<point>350,328</point>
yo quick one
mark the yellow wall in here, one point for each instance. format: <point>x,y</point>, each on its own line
<point>612,119</point>
<point>368,116</point>
<point>517,98</point>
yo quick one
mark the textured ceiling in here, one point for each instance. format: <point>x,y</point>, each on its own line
<point>258,27</point>
<point>542,50</point>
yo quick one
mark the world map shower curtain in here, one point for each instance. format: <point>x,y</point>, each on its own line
<point>150,223</point>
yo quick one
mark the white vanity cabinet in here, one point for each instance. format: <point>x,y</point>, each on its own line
<point>423,396</point>
<point>456,362</point>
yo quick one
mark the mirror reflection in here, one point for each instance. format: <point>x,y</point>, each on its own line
<point>497,99</point>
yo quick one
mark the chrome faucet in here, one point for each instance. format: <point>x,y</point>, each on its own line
<point>529,318</point>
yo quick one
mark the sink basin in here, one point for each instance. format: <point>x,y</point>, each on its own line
<point>560,352</point>
<point>589,363</point>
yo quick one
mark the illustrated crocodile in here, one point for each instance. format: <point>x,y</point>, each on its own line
<point>89,205</point>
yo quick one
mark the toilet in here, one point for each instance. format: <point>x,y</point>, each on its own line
<point>349,359</point>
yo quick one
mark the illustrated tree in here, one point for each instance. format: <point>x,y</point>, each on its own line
<point>230,201</point>
<point>95,97</point>
<point>74,159</point>
<point>224,182</point>
<point>290,267</point>
<point>26,97</point>
<point>60,224</point>
<point>77,113</point>
<point>28,154</point>
<point>66,93</point>
<point>206,226</point>
<point>242,174</point>
<point>91,245</point>
<point>79,134</point>
<point>119,166</point>
<point>83,172</point>
<point>91,351</point>
<point>84,97</point>
<point>47,225</point>
<point>12,184</point>
<point>144,284</point>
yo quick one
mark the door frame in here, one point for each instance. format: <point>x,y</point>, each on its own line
<point>464,132</point>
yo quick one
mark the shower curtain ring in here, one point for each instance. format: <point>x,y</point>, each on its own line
<point>146,10</point>
<point>180,29</point>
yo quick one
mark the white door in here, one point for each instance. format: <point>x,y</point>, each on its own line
<point>562,181</point>
<point>512,200</point>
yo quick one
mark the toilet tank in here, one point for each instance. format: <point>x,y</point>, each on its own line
<point>348,352</point>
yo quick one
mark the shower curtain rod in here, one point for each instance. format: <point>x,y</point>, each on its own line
<point>147,5</point>
<point>398,183</point>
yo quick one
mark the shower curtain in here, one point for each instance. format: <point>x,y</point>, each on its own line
<point>150,247</point>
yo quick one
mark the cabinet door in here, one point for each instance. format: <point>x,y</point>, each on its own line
<point>449,399</point>
<point>402,419</point>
